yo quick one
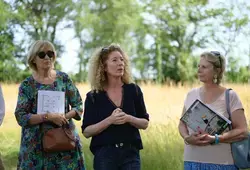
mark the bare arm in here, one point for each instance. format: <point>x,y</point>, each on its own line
<point>115,118</point>
<point>71,114</point>
<point>193,139</point>
<point>97,128</point>
<point>35,119</point>
<point>139,123</point>
<point>182,127</point>
<point>239,131</point>
<point>56,118</point>
<point>183,130</point>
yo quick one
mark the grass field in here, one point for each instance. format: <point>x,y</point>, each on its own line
<point>163,147</point>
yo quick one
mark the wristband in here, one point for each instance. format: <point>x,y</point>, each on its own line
<point>217,140</point>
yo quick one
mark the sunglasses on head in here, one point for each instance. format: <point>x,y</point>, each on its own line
<point>43,54</point>
<point>105,49</point>
<point>217,53</point>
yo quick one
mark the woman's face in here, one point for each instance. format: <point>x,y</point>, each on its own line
<point>115,64</point>
<point>44,58</point>
<point>205,71</point>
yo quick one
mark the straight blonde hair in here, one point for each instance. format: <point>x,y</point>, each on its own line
<point>36,47</point>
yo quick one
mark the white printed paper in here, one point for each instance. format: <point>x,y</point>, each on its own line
<point>50,102</point>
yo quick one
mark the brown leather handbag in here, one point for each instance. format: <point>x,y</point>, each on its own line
<point>59,139</point>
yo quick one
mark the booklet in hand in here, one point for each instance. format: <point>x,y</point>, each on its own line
<point>199,117</point>
<point>50,102</point>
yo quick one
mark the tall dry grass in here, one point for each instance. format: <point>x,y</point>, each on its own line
<point>163,146</point>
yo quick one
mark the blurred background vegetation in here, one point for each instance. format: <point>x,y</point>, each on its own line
<point>162,37</point>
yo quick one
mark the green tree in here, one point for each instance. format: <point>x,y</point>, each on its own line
<point>99,23</point>
<point>235,72</point>
<point>8,63</point>
<point>176,26</point>
<point>41,20</point>
<point>233,21</point>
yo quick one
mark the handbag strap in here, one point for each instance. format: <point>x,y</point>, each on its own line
<point>69,134</point>
<point>67,130</point>
<point>228,106</point>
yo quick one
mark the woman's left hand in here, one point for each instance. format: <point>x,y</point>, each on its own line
<point>209,139</point>
<point>125,118</point>
<point>58,119</point>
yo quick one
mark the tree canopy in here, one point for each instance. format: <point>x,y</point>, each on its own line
<point>162,37</point>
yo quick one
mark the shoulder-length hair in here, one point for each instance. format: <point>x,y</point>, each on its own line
<point>97,76</point>
<point>36,47</point>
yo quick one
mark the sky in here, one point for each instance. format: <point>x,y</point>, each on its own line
<point>69,60</point>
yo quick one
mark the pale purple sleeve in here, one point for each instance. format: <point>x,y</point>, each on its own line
<point>2,106</point>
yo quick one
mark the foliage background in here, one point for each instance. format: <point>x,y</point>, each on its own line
<point>162,37</point>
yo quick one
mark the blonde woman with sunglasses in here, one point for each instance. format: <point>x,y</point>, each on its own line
<point>41,59</point>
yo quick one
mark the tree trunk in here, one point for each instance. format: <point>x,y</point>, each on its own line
<point>159,78</point>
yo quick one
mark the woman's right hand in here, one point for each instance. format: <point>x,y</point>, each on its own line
<point>197,139</point>
<point>58,119</point>
<point>116,117</point>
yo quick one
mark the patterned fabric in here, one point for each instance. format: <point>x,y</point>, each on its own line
<point>207,166</point>
<point>31,155</point>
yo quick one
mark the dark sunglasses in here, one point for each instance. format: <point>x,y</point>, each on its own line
<point>105,49</point>
<point>42,54</point>
<point>217,53</point>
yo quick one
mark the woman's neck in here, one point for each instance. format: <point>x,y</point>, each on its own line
<point>44,74</point>
<point>114,82</point>
<point>210,86</point>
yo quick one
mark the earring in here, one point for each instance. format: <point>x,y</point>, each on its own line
<point>215,79</point>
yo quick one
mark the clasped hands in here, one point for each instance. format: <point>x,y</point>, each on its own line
<point>200,139</point>
<point>118,117</point>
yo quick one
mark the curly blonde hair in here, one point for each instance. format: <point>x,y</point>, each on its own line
<point>218,62</point>
<point>97,76</point>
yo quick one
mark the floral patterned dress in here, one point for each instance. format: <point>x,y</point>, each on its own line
<point>31,155</point>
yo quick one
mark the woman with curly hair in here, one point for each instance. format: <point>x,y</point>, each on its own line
<point>114,111</point>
